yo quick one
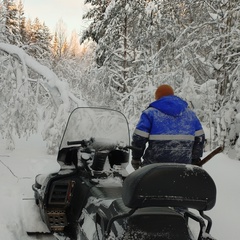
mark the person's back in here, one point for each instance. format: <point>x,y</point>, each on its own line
<point>172,131</point>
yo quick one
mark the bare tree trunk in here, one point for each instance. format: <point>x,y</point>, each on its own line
<point>125,65</point>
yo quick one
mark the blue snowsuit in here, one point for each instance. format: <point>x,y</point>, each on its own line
<point>173,133</point>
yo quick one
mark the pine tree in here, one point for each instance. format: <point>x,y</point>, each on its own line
<point>96,13</point>
<point>11,22</point>
<point>22,23</point>
<point>39,40</point>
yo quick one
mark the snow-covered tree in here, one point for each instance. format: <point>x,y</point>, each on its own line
<point>74,49</point>
<point>60,45</point>
<point>22,23</point>
<point>39,39</point>
<point>23,98</point>
<point>12,30</point>
<point>141,44</point>
<point>138,45</point>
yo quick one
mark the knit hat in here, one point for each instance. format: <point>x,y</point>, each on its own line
<point>163,90</point>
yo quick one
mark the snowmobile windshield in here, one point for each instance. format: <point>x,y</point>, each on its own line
<point>96,123</point>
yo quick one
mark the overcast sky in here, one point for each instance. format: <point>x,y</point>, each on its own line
<point>51,11</point>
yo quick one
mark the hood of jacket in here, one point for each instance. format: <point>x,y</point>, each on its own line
<point>170,105</point>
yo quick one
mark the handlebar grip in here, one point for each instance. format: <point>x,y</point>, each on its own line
<point>132,148</point>
<point>75,142</point>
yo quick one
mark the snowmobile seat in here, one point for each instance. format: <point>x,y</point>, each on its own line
<point>106,192</point>
<point>169,184</point>
<point>158,223</point>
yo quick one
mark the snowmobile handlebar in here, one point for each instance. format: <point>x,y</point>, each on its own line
<point>86,143</point>
<point>130,147</point>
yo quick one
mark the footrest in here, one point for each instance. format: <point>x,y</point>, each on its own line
<point>57,220</point>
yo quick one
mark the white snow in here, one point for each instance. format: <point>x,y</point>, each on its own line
<point>19,168</point>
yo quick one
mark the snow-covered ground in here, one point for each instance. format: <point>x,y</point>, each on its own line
<point>18,169</point>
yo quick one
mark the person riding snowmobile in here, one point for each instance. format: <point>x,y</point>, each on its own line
<point>171,129</point>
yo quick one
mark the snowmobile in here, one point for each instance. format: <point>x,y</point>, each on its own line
<point>93,197</point>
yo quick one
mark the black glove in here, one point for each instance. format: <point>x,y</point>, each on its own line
<point>196,161</point>
<point>136,163</point>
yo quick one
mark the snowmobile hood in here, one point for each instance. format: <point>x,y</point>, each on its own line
<point>170,105</point>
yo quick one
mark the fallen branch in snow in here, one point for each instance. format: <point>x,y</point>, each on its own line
<point>12,171</point>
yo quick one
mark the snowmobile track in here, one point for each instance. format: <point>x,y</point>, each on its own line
<point>41,236</point>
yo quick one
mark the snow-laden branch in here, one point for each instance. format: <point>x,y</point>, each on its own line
<point>62,98</point>
<point>52,81</point>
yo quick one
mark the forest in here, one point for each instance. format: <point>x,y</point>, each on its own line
<point>129,48</point>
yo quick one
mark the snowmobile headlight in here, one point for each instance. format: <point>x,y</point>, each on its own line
<point>85,156</point>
